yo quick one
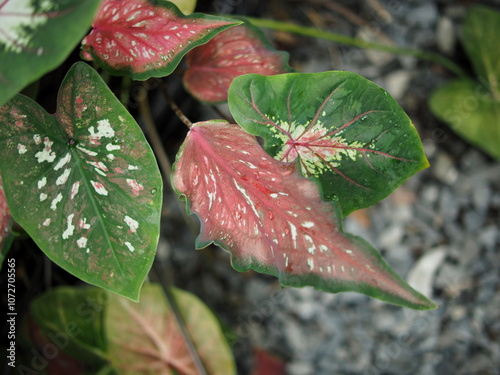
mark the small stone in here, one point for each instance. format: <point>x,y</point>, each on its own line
<point>444,169</point>
<point>396,83</point>
<point>445,35</point>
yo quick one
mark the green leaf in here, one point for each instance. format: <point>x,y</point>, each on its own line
<point>84,183</point>
<point>347,133</point>
<point>72,318</point>
<point>36,36</point>
<point>145,338</point>
<point>480,37</point>
<point>471,111</point>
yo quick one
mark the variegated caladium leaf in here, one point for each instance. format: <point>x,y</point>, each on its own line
<point>273,220</point>
<point>84,183</point>
<point>144,338</point>
<point>144,38</point>
<point>36,36</point>
<point>6,236</point>
<point>239,50</point>
<point>347,133</point>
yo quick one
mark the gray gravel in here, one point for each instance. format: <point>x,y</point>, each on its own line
<point>440,230</point>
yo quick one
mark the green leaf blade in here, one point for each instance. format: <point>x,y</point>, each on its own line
<point>36,37</point>
<point>471,112</point>
<point>480,36</point>
<point>84,183</point>
<point>346,133</point>
<point>74,319</point>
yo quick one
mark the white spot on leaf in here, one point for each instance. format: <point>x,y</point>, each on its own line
<point>55,201</point>
<point>42,182</point>
<point>130,247</point>
<point>46,154</point>
<point>21,148</point>
<point>133,225</point>
<point>69,230</point>
<point>64,177</point>
<point>99,188</point>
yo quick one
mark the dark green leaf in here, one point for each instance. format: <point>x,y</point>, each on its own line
<point>346,132</point>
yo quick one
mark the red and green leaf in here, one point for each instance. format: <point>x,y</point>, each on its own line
<point>146,39</point>
<point>145,338</point>
<point>37,36</point>
<point>84,183</point>
<point>273,220</point>
<point>6,236</point>
<point>347,133</point>
<point>234,52</point>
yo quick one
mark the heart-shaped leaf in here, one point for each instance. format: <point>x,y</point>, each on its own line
<point>273,220</point>
<point>73,319</point>
<point>234,52</point>
<point>84,183</point>
<point>6,236</point>
<point>471,111</point>
<point>144,338</point>
<point>347,133</point>
<point>480,36</point>
<point>146,39</point>
<point>36,36</point>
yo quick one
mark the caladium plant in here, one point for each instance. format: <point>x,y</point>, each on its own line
<point>83,183</point>
<point>346,133</point>
<point>273,220</point>
<point>146,39</point>
<point>237,51</point>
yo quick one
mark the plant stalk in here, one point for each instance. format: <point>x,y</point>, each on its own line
<point>356,42</point>
<point>162,157</point>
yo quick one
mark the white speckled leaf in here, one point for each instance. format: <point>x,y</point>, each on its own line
<point>273,220</point>
<point>83,183</point>
<point>147,38</point>
<point>36,36</point>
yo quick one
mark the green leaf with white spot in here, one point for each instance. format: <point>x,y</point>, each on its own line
<point>36,36</point>
<point>347,133</point>
<point>83,183</point>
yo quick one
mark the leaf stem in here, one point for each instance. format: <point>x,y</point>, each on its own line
<point>356,42</point>
<point>175,108</point>
<point>180,321</point>
<point>162,157</point>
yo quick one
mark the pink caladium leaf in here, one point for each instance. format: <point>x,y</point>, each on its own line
<point>239,50</point>
<point>5,225</point>
<point>146,39</point>
<point>83,183</point>
<point>273,220</point>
